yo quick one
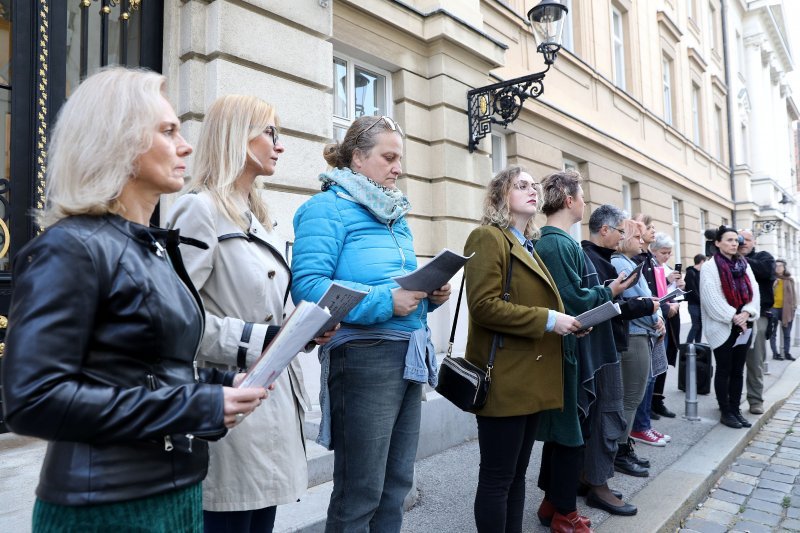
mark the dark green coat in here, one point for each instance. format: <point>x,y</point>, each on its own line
<point>527,372</point>
<point>565,260</point>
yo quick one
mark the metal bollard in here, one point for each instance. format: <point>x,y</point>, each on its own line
<point>691,383</point>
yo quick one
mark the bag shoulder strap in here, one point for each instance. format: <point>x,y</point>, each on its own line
<point>506,296</point>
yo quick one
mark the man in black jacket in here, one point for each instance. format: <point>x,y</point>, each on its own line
<point>763,265</point>
<point>599,461</point>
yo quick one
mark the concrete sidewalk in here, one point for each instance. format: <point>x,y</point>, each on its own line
<point>682,473</point>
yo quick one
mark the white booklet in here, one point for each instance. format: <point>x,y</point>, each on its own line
<point>339,300</point>
<point>599,314</point>
<point>743,338</point>
<point>674,294</point>
<point>435,273</point>
<point>298,330</point>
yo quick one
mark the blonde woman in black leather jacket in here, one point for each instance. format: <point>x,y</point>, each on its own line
<point>104,325</point>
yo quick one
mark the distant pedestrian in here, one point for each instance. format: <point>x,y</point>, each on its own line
<point>763,265</point>
<point>530,322</point>
<point>693,299</point>
<point>783,310</point>
<point>730,302</point>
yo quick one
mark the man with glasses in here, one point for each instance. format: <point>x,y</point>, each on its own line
<point>763,266</point>
<point>606,419</point>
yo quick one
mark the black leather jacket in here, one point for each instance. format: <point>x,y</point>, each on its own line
<point>100,348</point>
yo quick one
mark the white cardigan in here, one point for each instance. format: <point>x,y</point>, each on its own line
<point>717,312</point>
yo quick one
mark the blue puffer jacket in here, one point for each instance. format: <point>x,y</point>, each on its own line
<point>338,239</point>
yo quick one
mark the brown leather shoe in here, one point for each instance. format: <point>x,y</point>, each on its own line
<point>547,510</point>
<point>571,523</point>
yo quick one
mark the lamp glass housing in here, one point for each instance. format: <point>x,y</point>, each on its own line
<point>547,20</point>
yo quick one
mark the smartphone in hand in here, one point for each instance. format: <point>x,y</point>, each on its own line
<point>678,267</point>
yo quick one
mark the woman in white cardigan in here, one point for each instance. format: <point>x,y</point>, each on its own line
<point>729,301</point>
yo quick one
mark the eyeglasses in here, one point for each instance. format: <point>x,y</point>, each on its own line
<point>394,126</point>
<point>526,186</point>
<point>620,230</point>
<point>272,131</point>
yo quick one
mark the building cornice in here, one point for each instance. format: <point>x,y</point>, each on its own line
<point>696,59</point>
<point>671,28</point>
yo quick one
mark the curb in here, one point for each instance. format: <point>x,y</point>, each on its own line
<point>677,490</point>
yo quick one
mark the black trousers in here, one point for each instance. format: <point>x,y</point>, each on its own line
<point>505,443</point>
<point>729,376</point>
<point>255,521</point>
<point>558,475</point>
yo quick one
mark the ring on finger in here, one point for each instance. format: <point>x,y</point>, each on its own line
<point>239,418</point>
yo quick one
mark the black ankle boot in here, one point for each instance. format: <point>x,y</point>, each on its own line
<point>742,420</point>
<point>645,463</point>
<point>788,357</point>
<point>659,408</point>
<point>729,419</point>
<point>625,465</point>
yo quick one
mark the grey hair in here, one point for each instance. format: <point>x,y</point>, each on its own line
<point>606,215</point>
<point>661,240</point>
<point>90,160</point>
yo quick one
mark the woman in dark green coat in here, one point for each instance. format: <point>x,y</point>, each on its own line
<point>563,205</point>
<point>526,378</point>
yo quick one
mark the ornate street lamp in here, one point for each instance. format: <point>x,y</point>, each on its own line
<point>502,102</point>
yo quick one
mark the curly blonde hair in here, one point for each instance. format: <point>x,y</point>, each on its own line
<point>496,209</point>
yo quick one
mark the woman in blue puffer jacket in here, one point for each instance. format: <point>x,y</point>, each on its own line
<point>355,233</point>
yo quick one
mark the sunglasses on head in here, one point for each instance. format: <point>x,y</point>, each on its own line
<point>394,126</point>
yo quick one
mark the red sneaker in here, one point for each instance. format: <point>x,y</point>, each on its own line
<point>660,435</point>
<point>648,437</point>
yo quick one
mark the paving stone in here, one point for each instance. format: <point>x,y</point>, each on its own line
<point>746,526</point>
<point>768,495</point>
<point>766,445</point>
<point>789,450</point>
<point>742,460</point>
<point>793,438</point>
<point>784,455</point>
<point>793,512</point>
<point>758,456</point>
<point>761,505</point>
<point>705,526</point>
<point>790,525</point>
<point>726,496</point>
<point>776,476</point>
<point>764,437</point>
<point>793,443</point>
<point>736,486</point>
<point>796,490</point>
<point>747,470</point>
<point>791,463</point>
<point>781,469</point>
<point>715,515</point>
<point>794,501</point>
<point>760,451</point>
<point>728,507</point>
<point>754,515</point>
<point>785,488</point>
<point>742,478</point>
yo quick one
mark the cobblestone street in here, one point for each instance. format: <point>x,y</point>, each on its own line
<point>760,492</point>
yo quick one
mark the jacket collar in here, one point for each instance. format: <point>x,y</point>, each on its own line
<point>518,251</point>
<point>602,251</point>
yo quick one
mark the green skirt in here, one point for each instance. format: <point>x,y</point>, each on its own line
<point>176,511</point>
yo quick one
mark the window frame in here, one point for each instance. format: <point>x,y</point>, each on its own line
<point>667,66</point>
<point>618,47</point>
<point>676,230</point>
<point>697,114</point>
<point>502,156</point>
<point>351,64</point>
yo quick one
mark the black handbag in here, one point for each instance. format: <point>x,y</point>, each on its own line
<point>461,382</point>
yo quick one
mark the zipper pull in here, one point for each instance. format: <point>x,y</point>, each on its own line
<point>168,443</point>
<point>191,438</point>
<point>159,249</point>
<point>196,372</point>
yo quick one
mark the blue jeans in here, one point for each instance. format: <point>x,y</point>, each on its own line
<point>641,421</point>
<point>696,331</point>
<point>777,329</point>
<point>375,418</point>
<point>257,521</point>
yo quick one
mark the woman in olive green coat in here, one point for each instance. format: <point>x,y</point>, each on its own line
<point>527,373</point>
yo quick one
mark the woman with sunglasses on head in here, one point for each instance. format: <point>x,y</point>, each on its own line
<point>243,278</point>
<point>355,233</point>
<point>527,371</point>
<point>105,323</point>
<point>730,302</point>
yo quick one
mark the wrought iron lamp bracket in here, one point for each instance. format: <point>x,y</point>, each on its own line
<point>765,226</point>
<point>500,104</point>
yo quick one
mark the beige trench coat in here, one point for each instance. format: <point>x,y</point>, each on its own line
<point>244,277</point>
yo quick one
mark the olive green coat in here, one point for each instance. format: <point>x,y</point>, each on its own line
<point>527,376</point>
